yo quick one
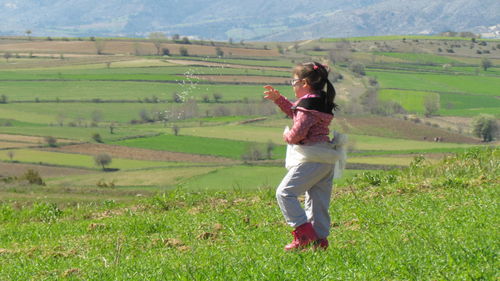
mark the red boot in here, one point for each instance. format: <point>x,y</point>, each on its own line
<point>321,244</point>
<point>303,235</point>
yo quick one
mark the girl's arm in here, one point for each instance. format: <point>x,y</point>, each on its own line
<point>301,125</point>
<point>275,96</point>
<point>285,105</point>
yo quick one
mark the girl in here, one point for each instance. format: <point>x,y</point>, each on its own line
<point>312,175</point>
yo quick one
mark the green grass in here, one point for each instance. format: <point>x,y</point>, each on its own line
<point>412,101</point>
<point>75,133</point>
<point>80,160</point>
<point>264,134</point>
<point>125,90</point>
<point>386,226</point>
<point>482,85</point>
<point>454,102</point>
<point>197,145</point>
<point>142,73</point>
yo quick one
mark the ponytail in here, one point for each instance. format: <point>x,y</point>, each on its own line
<point>330,96</point>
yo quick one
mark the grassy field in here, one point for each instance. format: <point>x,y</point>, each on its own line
<point>387,225</point>
<point>125,90</point>
<point>476,85</point>
<point>233,149</point>
<point>80,161</point>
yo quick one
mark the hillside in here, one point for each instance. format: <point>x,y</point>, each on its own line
<point>425,222</point>
<point>247,20</point>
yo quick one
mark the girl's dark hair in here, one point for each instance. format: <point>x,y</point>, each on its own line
<point>316,75</point>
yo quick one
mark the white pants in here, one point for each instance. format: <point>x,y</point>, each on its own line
<point>315,180</point>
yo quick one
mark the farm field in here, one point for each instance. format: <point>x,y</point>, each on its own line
<point>78,95</point>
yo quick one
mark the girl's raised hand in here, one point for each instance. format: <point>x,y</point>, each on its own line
<point>271,93</point>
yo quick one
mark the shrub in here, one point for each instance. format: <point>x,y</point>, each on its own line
<point>183,51</point>
<point>358,68</point>
<point>97,137</point>
<point>51,141</point>
<point>485,126</point>
<point>33,177</point>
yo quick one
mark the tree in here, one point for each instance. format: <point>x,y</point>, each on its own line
<point>183,51</point>
<point>3,99</point>
<point>176,37</point>
<point>11,155</point>
<point>217,97</point>
<point>185,40</point>
<point>97,137</point>
<point>431,104</point>
<point>486,63</point>
<point>7,56</point>
<point>270,148</point>
<point>165,51</point>
<point>175,130</point>
<point>485,126</point>
<point>103,160</point>
<point>51,141</point>
<point>99,46</point>
<point>357,68</point>
<point>28,33</point>
<point>341,52</point>
<point>219,52</point>
<point>157,38</point>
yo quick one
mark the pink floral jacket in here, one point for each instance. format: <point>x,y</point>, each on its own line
<point>309,126</point>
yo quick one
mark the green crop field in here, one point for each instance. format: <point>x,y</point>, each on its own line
<point>198,145</point>
<point>125,90</point>
<point>412,101</point>
<point>75,133</point>
<point>481,85</point>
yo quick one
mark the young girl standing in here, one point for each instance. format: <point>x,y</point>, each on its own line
<point>311,174</point>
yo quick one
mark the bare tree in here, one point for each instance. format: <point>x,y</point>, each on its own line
<point>341,53</point>
<point>175,130</point>
<point>486,63</point>
<point>99,46</point>
<point>11,155</point>
<point>431,104</point>
<point>7,56</point>
<point>157,38</point>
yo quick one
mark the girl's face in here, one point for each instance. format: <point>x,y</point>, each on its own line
<point>300,87</point>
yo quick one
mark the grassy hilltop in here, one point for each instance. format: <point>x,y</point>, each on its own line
<point>428,221</point>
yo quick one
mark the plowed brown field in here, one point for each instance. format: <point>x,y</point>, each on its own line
<point>126,47</point>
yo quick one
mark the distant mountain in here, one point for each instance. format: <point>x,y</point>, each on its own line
<point>246,20</point>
